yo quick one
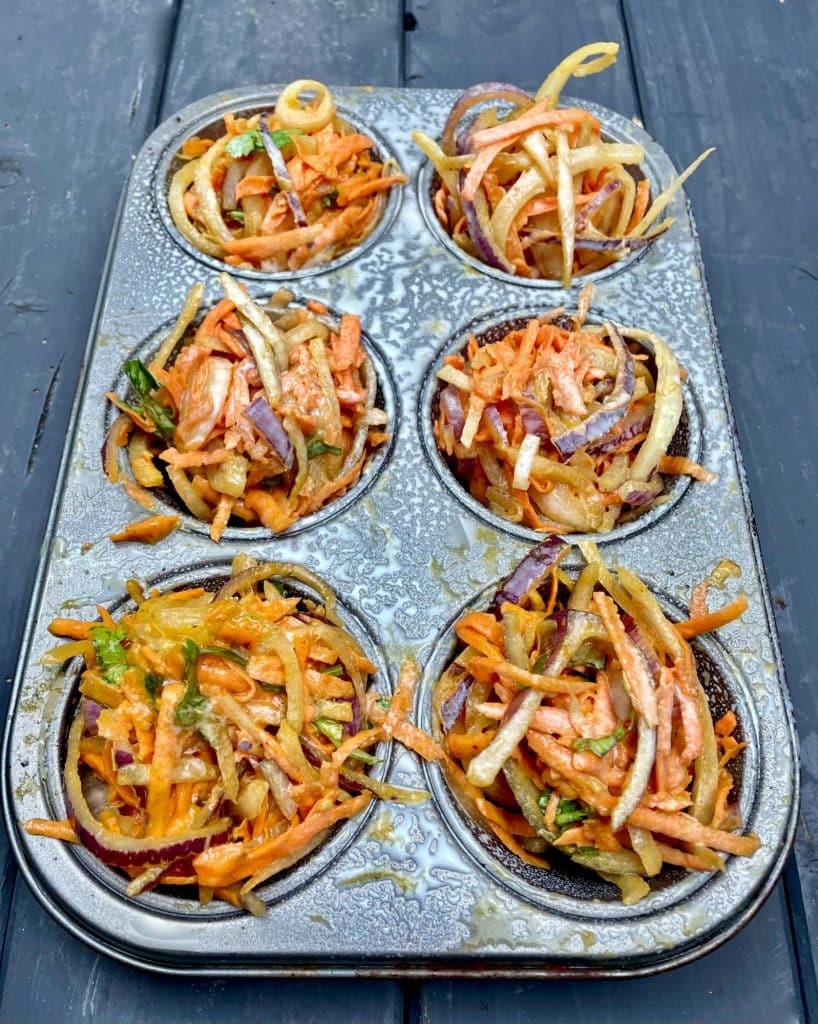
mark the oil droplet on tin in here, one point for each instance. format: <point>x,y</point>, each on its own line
<point>320,919</point>
<point>59,547</point>
<point>378,875</point>
<point>112,587</point>
<point>588,938</point>
<point>383,830</point>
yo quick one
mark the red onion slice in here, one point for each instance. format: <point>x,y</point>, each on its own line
<point>123,757</point>
<point>91,710</point>
<point>495,422</point>
<point>450,400</point>
<point>121,850</point>
<point>452,707</point>
<point>529,573</point>
<point>476,212</point>
<point>534,423</point>
<point>269,425</point>
<point>613,408</point>
<point>483,92</point>
<point>235,172</point>
<point>622,244</point>
<point>282,175</point>
<point>636,421</point>
<point>590,208</point>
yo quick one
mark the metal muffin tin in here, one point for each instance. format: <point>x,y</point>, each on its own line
<point>404,891</point>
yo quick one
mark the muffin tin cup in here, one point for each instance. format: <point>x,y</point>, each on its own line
<point>173,903</point>
<point>567,889</point>
<point>409,890</point>
<point>614,129</point>
<point>687,440</point>
<point>210,125</point>
<point>168,502</point>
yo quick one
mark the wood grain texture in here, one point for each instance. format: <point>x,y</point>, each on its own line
<point>71,119</point>
<point>218,46</point>
<point>709,74</point>
<point>702,991</point>
<point>456,44</point>
<point>49,977</point>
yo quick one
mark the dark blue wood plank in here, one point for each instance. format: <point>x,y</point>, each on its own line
<point>220,46</point>
<point>750,980</point>
<point>100,109</point>
<point>455,44</point>
<point>714,74</point>
<point>48,976</point>
<point>72,117</point>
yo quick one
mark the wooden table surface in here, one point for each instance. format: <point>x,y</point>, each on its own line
<point>83,84</point>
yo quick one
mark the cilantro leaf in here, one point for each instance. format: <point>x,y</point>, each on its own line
<point>224,652</point>
<point>237,215</point>
<point>193,705</point>
<point>115,673</point>
<point>143,382</point>
<point>568,812</point>
<point>330,198</point>
<point>384,702</point>
<point>602,744</point>
<point>318,446</point>
<point>333,670</point>
<point>108,646</point>
<point>153,684</point>
<point>544,797</point>
<point>245,144</point>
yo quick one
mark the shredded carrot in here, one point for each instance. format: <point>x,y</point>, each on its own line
<point>713,620</point>
<point>147,531</point>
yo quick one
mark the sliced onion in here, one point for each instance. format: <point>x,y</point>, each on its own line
<point>529,573</point>
<point>639,775</point>
<point>573,629</point>
<point>282,175</point>
<point>122,757</point>
<point>483,92</point>
<point>478,224</point>
<point>291,114</point>
<point>353,726</point>
<point>635,633</point>
<point>450,400</point>
<point>269,425</point>
<point>534,422</point>
<point>91,710</point>
<point>452,707</point>
<point>610,245</point>
<point>280,787</point>
<point>122,850</point>
<point>635,421</point>
<point>591,207</point>
<point>495,422</point>
<point>525,460</point>
<point>667,410</point>
<point>613,408</point>
<point>235,172</point>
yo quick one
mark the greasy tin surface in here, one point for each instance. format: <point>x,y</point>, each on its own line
<point>403,896</point>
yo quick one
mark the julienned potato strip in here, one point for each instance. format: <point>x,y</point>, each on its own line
<point>220,736</point>
<point>280,191</point>
<point>262,415</point>
<point>573,721</point>
<point>562,425</point>
<point>533,189</point>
